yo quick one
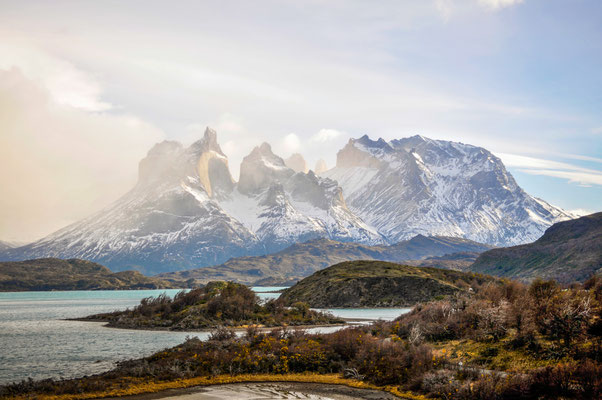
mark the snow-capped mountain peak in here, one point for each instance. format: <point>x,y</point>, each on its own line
<point>260,168</point>
<point>418,185</point>
<point>186,210</point>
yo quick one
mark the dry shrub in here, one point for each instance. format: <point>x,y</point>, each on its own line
<point>222,334</point>
<point>345,343</point>
<point>385,363</point>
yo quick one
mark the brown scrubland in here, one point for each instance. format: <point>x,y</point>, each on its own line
<point>503,340</point>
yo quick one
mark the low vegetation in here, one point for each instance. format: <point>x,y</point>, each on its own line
<point>504,341</point>
<point>217,304</point>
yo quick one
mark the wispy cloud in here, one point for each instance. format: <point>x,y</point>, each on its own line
<point>538,166</point>
<point>66,84</point>
<point>444,7</point>
<point>497,4</point>
<point>581,157</point>
<point>447,8</point>
<point>325,135</point>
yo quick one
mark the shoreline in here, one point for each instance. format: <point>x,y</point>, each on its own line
<point>106,324</point>
<point>144,390</point>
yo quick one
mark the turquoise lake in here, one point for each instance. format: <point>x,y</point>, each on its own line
<point>36,342</point>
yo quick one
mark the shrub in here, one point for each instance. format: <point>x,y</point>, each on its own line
<point>386,363</point>
<point>222,334</point>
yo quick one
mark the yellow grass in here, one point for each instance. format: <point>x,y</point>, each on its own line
<point>507,359</point>
<point>140,386</point>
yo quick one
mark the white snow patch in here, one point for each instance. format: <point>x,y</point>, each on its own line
<point>244,209</point>
<point>271,165</point>
<point>351,179</point>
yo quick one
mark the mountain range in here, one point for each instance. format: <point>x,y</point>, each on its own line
<point>186,210</point>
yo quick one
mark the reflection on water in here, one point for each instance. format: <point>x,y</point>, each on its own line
<point>36,342</point>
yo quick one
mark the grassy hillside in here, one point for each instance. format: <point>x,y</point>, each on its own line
<point>378,284</point>
<point>300,260</point>
<point>568,251</point>
<point>74,274</point>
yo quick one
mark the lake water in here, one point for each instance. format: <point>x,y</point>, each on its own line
<point>36,341</point>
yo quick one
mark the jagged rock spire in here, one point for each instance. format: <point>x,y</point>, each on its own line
<point>261,168</point>
<point>296,162</point>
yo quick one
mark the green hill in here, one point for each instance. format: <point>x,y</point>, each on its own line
<point>568,251</point>
<point>74,274</point>
<point>379,284</point>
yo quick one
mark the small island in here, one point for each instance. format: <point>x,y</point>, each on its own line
<point>218,304</point>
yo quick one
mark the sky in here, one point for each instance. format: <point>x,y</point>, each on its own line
<point>87,87</point>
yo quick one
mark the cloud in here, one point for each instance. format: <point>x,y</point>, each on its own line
<point>536,166</point>
<point>325,135</point>
<point>61,163</point>
<point>583,179</point>
<point>444,8</point>
<point>448,8</point>
<point>65,84</point>
<point>581,157</point>
<point>291,143</point>
<point>498,4</point>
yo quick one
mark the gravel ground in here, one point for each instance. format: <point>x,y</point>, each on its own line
<point>264,391</point>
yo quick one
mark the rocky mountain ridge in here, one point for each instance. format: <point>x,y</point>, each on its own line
<point>186,211</point>
<point>418,185</point>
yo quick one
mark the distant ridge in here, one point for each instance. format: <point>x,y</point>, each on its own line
<point>568,251</point>
<point>54,274</point>
<point>300,260</point>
